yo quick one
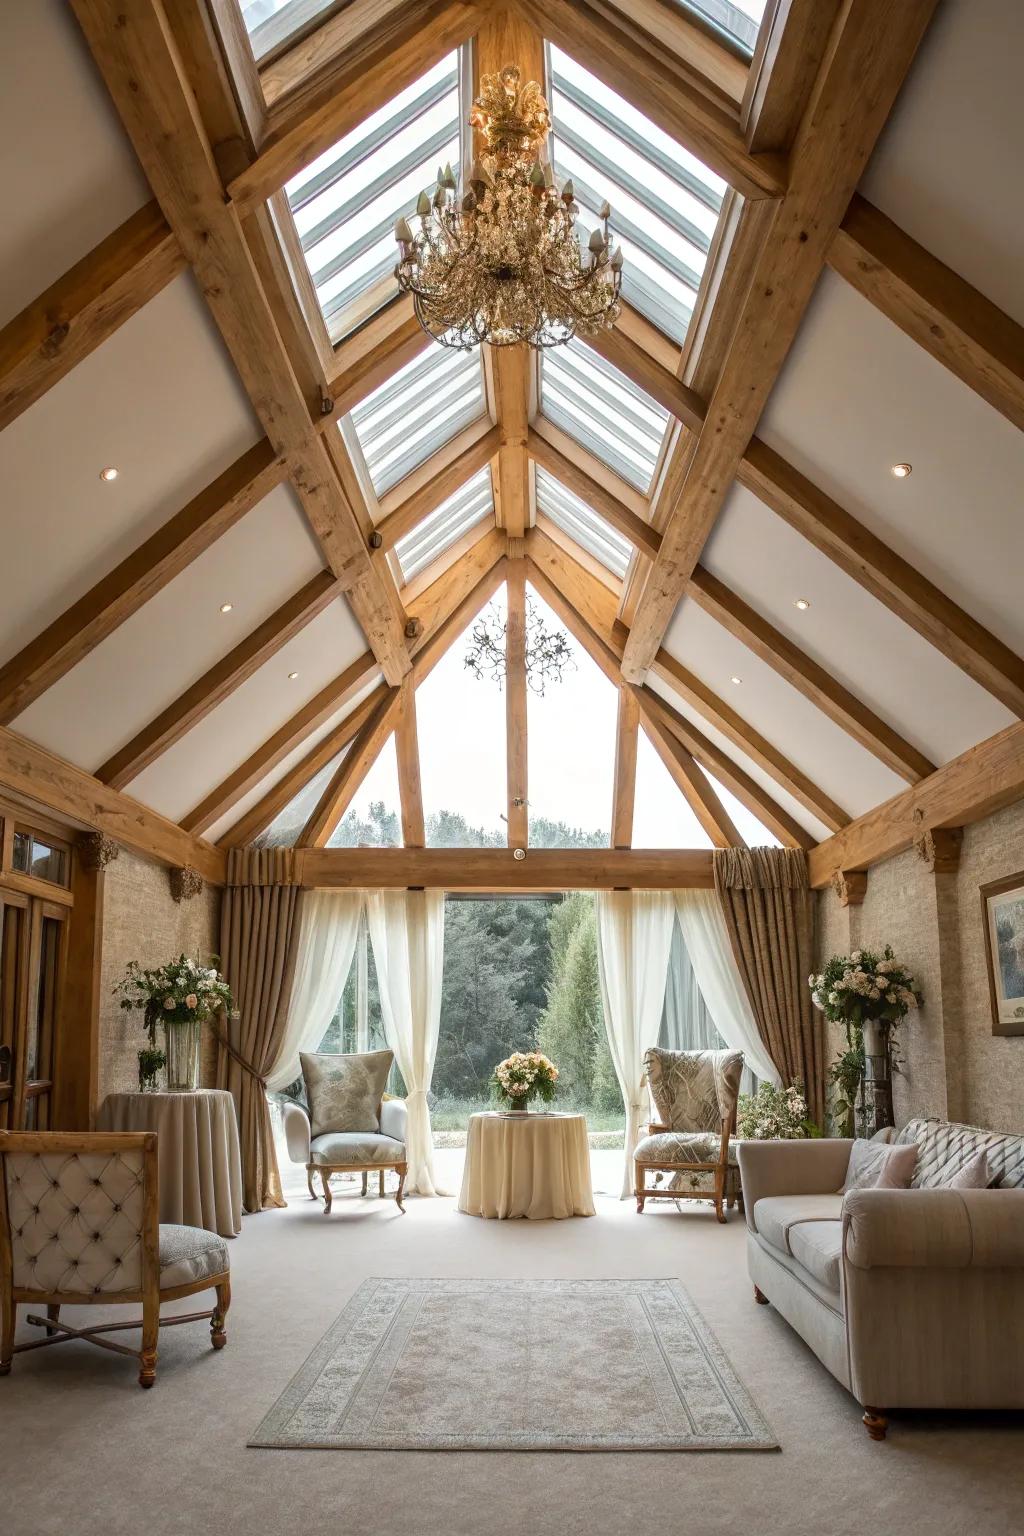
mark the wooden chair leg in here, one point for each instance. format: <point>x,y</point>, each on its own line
<point>640,1186</point>
<point>309,1181</point>
<point>401,1186</point>
<point>53,1313</point>
<point>8,1318</point>
<point>218,1330</point>
<point>325,1180</point>
<point>364,1183</point>
<point>150,1334</point>
<point>380,1184</point>
<point>760,1297</point>
<point>719,1193</point>
<point>875,1422</point>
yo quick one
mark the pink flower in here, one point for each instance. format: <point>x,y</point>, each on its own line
<point>191,1001</point>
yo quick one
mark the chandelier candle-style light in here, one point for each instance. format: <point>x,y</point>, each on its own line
<point>501,262</point>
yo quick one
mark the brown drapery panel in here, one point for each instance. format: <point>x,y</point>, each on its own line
<point>768,908</point>
<point>258,937</point>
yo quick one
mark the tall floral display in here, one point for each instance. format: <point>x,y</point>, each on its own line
<point>180,996</point>
<point>869,994</point>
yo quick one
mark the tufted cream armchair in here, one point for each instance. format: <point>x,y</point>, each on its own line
<point>79,1225</point>
<point>694,1095</point>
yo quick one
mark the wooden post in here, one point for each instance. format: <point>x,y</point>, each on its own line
<point>515,705</point>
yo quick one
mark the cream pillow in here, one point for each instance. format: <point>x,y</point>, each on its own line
<point>344,1091</point>
<point>880,1165</point>
<point>973,1175</point>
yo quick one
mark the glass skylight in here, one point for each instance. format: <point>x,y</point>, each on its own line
<point>346,203</point>
<point>665,203</point>
<point>738,21</point>
<point>286,827</point>
<point>271,23</point>
<point>448,522</point>
<point>603,410</point>
<point>417,411</point>
<point>581,523</point>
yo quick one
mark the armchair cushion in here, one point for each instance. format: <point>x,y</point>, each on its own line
<point>345,1092</point>
<point>682,1147</point>
<point>188,1254</point>
<point>357,1147</point>
<point>694,1090</point>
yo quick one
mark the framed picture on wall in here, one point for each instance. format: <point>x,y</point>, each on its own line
<point>1002,910</point>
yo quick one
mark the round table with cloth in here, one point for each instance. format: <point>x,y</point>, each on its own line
<point>198,1158</point>
<point>533,1165</point>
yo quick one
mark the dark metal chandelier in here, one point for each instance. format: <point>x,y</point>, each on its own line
<point>548,652</point>
<point>502,262</point>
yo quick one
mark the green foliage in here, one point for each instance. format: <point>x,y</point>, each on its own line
<point>775,1114</point>
<point>864,985</point>
<point>844,1080</point>
<point>522,1077</point>
<point>572,1030</point>
<point>380,828</point>
<point>558,834</point>
<point>150,1061</point>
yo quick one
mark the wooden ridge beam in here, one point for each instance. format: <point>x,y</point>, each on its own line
<point>516,772</point>
<point>334,696</point>
<point>429,495</point>
<point>598,494</point>
<point>885,574</point>
<point>933,305</point>
<point>407,751</point>
<point>805,675</point>
<point>58,786</point>
<point>140,576</point>
<point>217,684</point>
<point>85,306</point>
<point>685,773</point>
<point>137,45</point>
<point>870,50</point>
<point>627,730</point>
<point>351,771</point>
<point>496,869</point>
<point>974,785</point>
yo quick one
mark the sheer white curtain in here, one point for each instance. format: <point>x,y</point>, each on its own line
<point>407,933</point>
<point>327,942</point>
<point>634,935</point>
<point>717,975</point>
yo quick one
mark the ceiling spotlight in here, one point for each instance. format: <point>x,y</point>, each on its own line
<point>801,603</point>
<point>901,471</point>
<point>736,680</point>
<point>110,473</point>
<point>292,676</point>
<point>226,607</point>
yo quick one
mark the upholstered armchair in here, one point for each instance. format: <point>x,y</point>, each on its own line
<point>351,1126</point>
<point>80,1226</point>
<point>694,1095</point>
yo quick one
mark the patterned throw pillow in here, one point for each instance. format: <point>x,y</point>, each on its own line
<point>972,1175</point>
<point>344,1092</point>
<point>879,1165</point>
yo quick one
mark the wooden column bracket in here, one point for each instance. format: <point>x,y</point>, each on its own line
<point>938,847</point>
<point>850,886</point>
<point>96,850</point>
<point>185,883</point>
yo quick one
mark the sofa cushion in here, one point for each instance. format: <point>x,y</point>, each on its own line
<point>943,1147</point>
<point>345,1091</point>
<point>876,1165</point>
<point>682,1147</point>
<point>818,1246</point>
<point>356,1147</point>
<point>971,1175</point>
<point>775,1215</point>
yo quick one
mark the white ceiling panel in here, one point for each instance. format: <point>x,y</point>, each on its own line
<point>855,397</point>
<point>859,641</point>
<point>180,778</point>
<point>160,651</point>
<point>831,759</point>
<point>161,403</point>
<point>947,166</point>
<point>68,175</point>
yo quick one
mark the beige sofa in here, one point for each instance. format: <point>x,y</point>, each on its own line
<point>913,1298</point>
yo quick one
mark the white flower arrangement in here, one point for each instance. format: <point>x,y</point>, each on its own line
<point>180,992</point>
<point>524,1076</point>
<point>774,1114</point>
<point>865,986</point>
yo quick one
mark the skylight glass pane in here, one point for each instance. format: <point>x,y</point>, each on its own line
<point>417,411</point>
<point>374,819</point>
<point>739,21</point>
<point>470,504</point>
<point>270,23</point>
<point>582,523</point>
<point>346,203</point>
<point>603,410</point>
<point>287,825</point>
<point>665,203</point>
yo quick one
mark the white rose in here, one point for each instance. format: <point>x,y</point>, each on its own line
<point>890,997</point>
<point>856,954</point>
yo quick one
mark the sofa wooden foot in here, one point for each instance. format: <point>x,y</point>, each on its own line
<point>760,1297</point>
<point>875,1422</point>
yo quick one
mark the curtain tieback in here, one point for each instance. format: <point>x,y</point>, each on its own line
<point>246,1066</point>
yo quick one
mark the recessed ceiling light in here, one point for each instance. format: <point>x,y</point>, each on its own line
<point>292,676</point>
<point>901,471</point>
<point>736,680</point>
<point>110,473</point>
<point>226,607</point>
<point>802,603</point>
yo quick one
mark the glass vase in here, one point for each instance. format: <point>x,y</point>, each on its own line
<point>181,1043</point>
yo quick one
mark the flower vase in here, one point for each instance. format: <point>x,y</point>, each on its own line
<point>873,1040</point>
<point>181,1043</point>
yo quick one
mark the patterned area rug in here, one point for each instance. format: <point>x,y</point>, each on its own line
<point>517,1365</point>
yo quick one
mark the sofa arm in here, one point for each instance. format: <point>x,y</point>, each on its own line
<point>813,1167</point>
<point>296,1131</point>
<point>934,1228</point>
<point>394,1117</point>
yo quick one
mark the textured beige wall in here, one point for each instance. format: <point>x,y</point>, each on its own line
<point>953,1064</point>
<point>142,922</point>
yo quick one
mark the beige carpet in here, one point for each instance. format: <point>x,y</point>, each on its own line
<point>86,1453</point>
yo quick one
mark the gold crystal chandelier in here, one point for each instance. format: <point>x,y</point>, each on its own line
<point>502,262</point>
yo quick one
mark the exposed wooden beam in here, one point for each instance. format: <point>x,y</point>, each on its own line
<point>686,775</point>
<point>140,576</point>
<point>85,306</point>
<point>627,730</point>
<point>596,493</point>
<point>351,771</point>
<point>407,750</point>
<point>659,28</point>
<point>870,50</point>
<point>441,484</point>
<point>884,573</point>
<point>724,719</point>
<point>805,674</point>
<point>172,723</point>
<point>652,377</point>
<point>934,306</point>
<point>571,590</point>
<point>658,87</point>
<point>496,869</point>
<point>384,62</point>
<point>58,786</point>
<point>442,602</point>
<point>297,62</point>
<point>790,47</point>
<point>332,698</point>
<point>517,796</point>
<point>981,780</point>
<point>136,45</point>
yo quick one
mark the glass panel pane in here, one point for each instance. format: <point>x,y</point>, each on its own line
<point>48,863</point>
<point>582,523</point>
<point>603,410</point>
<point>571,747</point>
<point>662,817</point>
<point>746,823</point>
<point>416,412</point>
<point>39,1044</point>
<point>374,819</point>
<point>472,503</point>
<point>22,854</point>
<point>286,826</point>
<point>739,21</point>
<point>270,23</point>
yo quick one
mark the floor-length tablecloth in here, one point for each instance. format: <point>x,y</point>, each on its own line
<point>535,1165</point>
<point>198,1157</point>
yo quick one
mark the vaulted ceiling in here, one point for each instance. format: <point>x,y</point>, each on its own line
<point>313,500</point>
